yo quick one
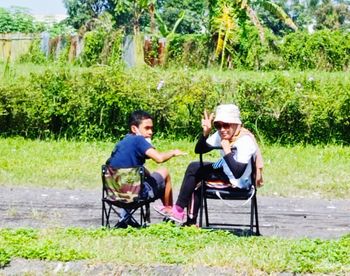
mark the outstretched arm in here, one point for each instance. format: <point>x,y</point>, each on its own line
<point>161,157</point>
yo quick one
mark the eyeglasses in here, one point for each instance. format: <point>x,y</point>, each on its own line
<point>219,125</point>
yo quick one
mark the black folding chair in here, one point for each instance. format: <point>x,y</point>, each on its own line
<point>230,193</point>
<point>123,209</point>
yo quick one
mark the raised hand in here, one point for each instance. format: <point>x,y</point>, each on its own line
<point>206,123</point>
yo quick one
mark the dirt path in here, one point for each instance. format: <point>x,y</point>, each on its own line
<point>282,217</point>
<point>41,208</point>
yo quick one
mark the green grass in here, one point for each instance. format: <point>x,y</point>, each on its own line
<point>308,171</point>
<point>24,69</point>
<point>16,70</point>
<point>167,244</point>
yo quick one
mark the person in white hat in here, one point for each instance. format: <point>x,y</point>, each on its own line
<point>238,146</point>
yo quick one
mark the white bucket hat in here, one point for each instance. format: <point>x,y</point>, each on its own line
<point>228,113</point>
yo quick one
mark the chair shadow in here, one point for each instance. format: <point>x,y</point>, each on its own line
<point>235,231</point>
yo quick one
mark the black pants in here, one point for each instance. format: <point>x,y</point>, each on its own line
<point>189,196</point>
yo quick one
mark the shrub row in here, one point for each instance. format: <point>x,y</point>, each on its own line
<point>94,103</point>
<point>326,50</point>
<point>323,50</point>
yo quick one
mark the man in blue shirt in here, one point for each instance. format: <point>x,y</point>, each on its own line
<point>135,148</point>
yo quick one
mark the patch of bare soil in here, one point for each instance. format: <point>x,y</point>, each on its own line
<point>35,267</point>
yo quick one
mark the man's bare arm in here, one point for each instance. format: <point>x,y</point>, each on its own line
<point>161,157</point>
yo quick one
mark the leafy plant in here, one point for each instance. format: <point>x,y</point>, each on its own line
<point>93,45</point>
<point>167,244</point>
<point>34,55</point>
<point>18,20</point>
<point>188,51</point>
<point>225,28</point>
<point>283,107</point>
<point>324,50</point>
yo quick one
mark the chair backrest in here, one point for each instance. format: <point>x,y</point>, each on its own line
<point>124,184</point>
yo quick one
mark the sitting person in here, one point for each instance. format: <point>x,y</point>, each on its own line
<point>238,146</point>
<point>135,148</point>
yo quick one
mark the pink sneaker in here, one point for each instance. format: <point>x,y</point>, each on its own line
<point>177,216</point>
<point>163,210</point>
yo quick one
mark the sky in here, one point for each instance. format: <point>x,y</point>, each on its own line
<point>37,7</point>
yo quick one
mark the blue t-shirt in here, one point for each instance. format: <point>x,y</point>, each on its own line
<point>129,152</point>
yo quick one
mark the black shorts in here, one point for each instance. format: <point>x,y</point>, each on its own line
<point>155,182</point>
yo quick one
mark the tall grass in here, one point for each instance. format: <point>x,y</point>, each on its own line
<point>24,69</point>
<point>12,71</point>
<point>308,171</point>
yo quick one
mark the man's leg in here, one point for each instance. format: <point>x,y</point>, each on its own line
<point>167,197</point>
<point>193,175</point>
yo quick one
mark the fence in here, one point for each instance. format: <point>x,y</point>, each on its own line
<point>13,45</point>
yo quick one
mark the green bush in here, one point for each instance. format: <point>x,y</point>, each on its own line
<point>93,45</point>
<point>63,56</point>
<point>112,49</point>
<point>324,50</point>
<point>189,50</point>
<point>34,55</point>
<point>94,103</point>
<point>19,20</point>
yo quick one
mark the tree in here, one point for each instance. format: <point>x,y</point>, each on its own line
<point>82,11</point>
<point>304,12</point>
<point>332,16</point>
<point>274,23</point>
<point>18,19</point>
<point>133,10</point>
<point>247,10</point>
<point>195,19</point>
<point>320,14</point>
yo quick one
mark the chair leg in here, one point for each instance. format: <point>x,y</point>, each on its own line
<point>103,213</point>
<point>128,219</point>
<point>252,209</point>
<point>201,215</point>
<point>143,215</point>
<point>201,206</point>
<point>206,212</point>
<point>107,214</point>
<point>148,213</point>
<point>256,217</point>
